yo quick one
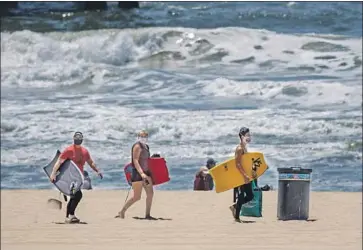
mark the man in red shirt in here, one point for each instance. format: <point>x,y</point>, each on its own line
<point>79,155</point>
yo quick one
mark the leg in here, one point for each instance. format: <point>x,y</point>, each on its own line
<point>72,205</point>
<point>240,202</point>
<point>136,196</point>
<point>149,197</point>
<point>76,199</point>
<point>248,192</point>
<point>236,193</point>
<point>136,181</point>
<point>69,204</point>
<point>242,199</point>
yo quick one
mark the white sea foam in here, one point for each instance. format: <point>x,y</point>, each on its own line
<point>100,82</point>
<point>32,59</point>
<point>306,93</point>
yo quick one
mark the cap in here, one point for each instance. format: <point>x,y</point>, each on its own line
<point>78,135</point>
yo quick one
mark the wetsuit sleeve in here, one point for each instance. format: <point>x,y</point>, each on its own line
<point>66,154</point>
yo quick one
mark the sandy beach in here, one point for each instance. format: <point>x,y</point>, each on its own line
<point>188,220</point>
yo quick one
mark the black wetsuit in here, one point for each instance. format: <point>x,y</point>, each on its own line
<point>241,191</point>
<point>244,195</point>
<point>73,202</point>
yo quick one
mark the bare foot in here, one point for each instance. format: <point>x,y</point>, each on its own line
<point>121,215</point>
<point>149,217</point>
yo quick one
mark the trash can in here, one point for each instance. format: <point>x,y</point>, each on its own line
<point>293,193</point>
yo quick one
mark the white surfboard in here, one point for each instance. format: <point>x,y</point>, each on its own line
<point>69,178</point>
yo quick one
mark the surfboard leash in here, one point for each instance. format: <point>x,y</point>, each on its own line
<point>64,196</point>
<point>127,196</point>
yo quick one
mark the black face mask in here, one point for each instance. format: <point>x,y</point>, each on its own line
<point>77,141</point>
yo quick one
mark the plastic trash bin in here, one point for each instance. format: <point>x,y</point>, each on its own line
<point>293,193</point>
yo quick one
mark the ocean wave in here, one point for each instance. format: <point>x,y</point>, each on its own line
<point>191,88</point>
<point>31,59</point>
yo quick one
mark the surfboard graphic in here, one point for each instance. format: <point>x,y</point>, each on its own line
<point>69,177</point>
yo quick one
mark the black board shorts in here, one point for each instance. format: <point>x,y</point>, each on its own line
<point>135,176</point>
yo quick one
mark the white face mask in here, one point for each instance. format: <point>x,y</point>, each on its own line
<point>143,140</point>
<point>246,139</point>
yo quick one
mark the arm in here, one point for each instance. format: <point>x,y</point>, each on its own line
<point>63,156</point>
<point>57,165</point>
<point>238,157</point>
<point>92,164</point>
<point>135,157</point>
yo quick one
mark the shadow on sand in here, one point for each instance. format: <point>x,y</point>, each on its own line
<point>64,223</point>
<point>246,221</point>
<point>308,220</point>
<point>151,218</point>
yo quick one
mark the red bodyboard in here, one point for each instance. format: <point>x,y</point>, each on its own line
<point>128,170</point>
<point>159,170</point>
<point>157,167</point>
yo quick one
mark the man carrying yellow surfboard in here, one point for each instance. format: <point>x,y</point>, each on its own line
<point>245,138</point>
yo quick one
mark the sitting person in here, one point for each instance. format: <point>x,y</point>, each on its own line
<point>203,180</point>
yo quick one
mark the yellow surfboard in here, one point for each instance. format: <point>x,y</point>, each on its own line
<point>226,176</point>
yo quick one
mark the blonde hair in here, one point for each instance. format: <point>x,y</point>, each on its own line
<point>143,132</point>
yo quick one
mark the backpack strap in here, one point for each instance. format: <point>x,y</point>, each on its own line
<point>132,150</point>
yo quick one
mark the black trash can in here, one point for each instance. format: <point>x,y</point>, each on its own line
<point>293,193</point>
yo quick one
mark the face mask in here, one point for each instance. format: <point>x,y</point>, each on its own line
<point>77,141</point>
<point>78,138</point>
<point>246,139</point>
<point>143,140</point>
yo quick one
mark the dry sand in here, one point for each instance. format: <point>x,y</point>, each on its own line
<point>191,220</point>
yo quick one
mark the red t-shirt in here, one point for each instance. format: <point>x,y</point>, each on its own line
<point>78,155</point>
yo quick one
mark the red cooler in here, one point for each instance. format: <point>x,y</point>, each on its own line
<point>159,170</point>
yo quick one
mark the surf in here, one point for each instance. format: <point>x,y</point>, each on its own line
<point>32,59</point>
